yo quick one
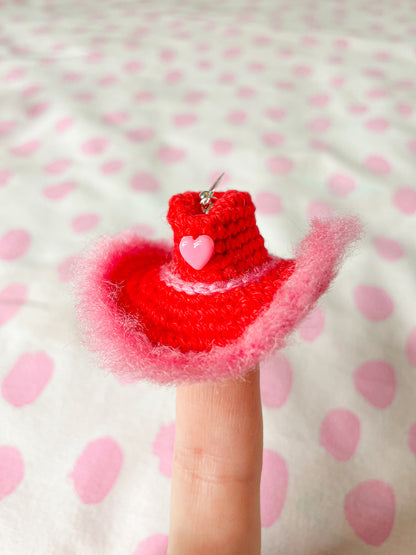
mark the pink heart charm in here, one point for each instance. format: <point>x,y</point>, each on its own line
<point>197,253</point>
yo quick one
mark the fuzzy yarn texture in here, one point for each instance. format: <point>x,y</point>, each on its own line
<point>142,327</point>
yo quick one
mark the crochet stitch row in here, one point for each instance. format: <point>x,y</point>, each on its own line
<point>188,322</point>
<point>171,279</point>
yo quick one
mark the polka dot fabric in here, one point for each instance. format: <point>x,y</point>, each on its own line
<point>109,109</point>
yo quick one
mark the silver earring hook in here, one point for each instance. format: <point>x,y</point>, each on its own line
<point>207,197</point>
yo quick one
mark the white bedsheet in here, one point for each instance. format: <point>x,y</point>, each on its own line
<point>109,108</point>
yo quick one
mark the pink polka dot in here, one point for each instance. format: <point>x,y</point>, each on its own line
<point>144,181</point>
<point>27,379</point>
<point>405,84</point>
<point>246,92</point>
<point>382,56</point>
<point>182,120</point>
<point>115,117</point>
<point>319,100</point>
<point>232,52</point>
<point>57,166</point>
<point>133,66</point>
<point>374,73</point>
<point>275,113</point>
<point>285,53</point>
<point>404,109</point>
<point>6,127</point>
<point>112,166</point>
<point>59,47</point>
<point>272,139</point>
<point>141,134</point>
<point>378,125</point>
<point>227,78</point>
<point>108,80</point>
<point>96,470</point>
<point>37,109</point>
<point>358,109</point>
<point>313,325</point>
<point>26,149</point>
<point>94,57</point>
<point>405,200</point>
<point>66,268</point>
<point>153,545</point>
<point>12,470</point>
<point>222,147</point>
<point>232,32</point>
<point>280,165</point>
<point>337,82</point>
<point>12,298</point>
<point>285,85</point>
<point>256,66</point>
<point>370,510</point>
<point>319,209</point>
<point>262,40</point>
<point>64,124</point>
<point>388,248</point>
<point>377,93</point>
<point>319,125</point>
<point>268,203</point>
<point>57,192</point>
<point>275,380</point>
<point>167,55</point>
<point>14,244</point>
<point>309,41</point>
<point>273,487</point>
<point>72,76</point>
<point>411,438</point>
<point>318,144</point>
<point>84,96</point>
<point>193,97</point>
<point>5,175</point>
<point>95,146</point>
<point>163,448</point>
<point>85,222</point>
<point>340,433</point>
<point>341,185</point>
<point>237,116</point>
<point>174,76</point>
<point>373,302</point>
<point>341,43</point>
<point>376,381</point>
<point>411,348</point>
<point>15,74</point>
<point>412,146</point>
<point>204,64</point>
<point>171,155</point>
<point>302,71</point>
<point>132,44</point>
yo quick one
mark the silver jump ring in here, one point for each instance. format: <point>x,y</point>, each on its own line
<point>207,197</point>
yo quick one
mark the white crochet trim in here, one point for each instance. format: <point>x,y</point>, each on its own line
<point>197,288</point>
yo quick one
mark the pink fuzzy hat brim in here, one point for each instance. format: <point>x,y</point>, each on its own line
<point>116,337</point>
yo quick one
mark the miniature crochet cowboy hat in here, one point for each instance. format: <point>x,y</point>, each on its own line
<point>210,306</point>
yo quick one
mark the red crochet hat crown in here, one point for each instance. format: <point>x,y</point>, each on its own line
<point>211,306</point>
<point>232,226</point>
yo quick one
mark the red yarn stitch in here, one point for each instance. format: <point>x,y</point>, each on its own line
<point>232,226</point>
<point>191,322</point>
<point>197,322</point>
